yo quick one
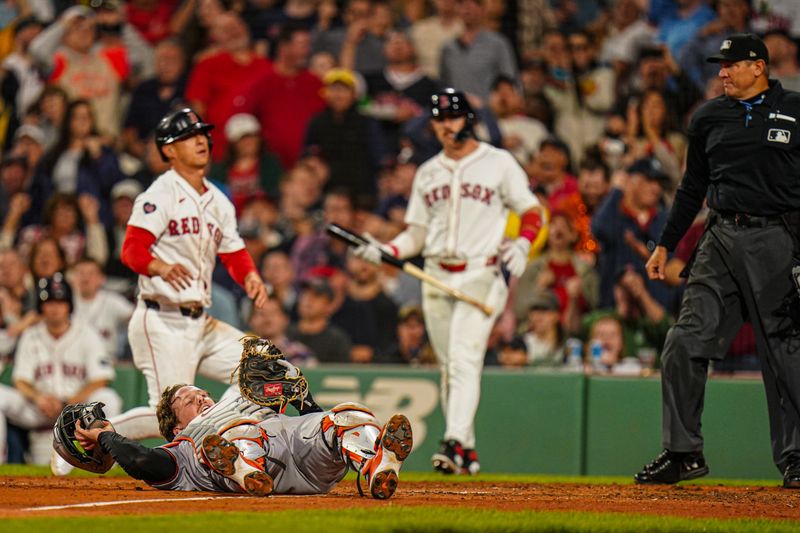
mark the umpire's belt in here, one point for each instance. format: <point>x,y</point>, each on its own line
<point>192,311</point>
<point>744,220</point>
<point>461,266</point>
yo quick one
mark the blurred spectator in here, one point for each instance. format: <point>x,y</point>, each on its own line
<point>121,278</point>
<point>358,45</point>
<point>678,28</point>
<point>522,135</point>
<point>543,333</point>
<point>474,59</point>
<point>430,34</point>
<point>73,222</point>
<point>79,163</point>
<point>22,81</point>
<point>14,200</point>
<point>534,18</point>
<point>550,170</point>
<point>650,134</point>
<point>219,85</point>
<point>607,333</point>
<point>155,97</point>
<point>285,99</point>
<point>626,33</point>
<point>582,99</point>
<point>512,354</point>
<point>351,143</point>
<point>122,40</point>
<point>561,271</point>
<point>317,248</point>
<point>29,143</point>
<point>270,322</point>
<point>397,189</point>
<point>277,271</point>
<point>644,321</point>
<point>400,91</point>
<point>48,113</point>
<point>15,300</point>
<point>783,65</point>
<point>192,25</point>
<point>104,310</point>
<point>733,16</point>
<point>301,192</point>
<point>783,15</point>
<point>152,164</point>
<point>95,73</point>
<point>268,18</point>
<point>367,315</point>
<point>328,343</point>
<point>248,170</point>
<point>630,217</point>
<point>57,362</point>
<point>534,76</point>
<point>46,258</point>
<point>259,217</point>
<point>412,347</point>
<point>153,19</point>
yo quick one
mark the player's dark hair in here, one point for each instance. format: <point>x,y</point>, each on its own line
<point>593,161</point>
<point>167,419</point>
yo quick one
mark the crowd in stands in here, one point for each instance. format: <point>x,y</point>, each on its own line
<point>320,114</point>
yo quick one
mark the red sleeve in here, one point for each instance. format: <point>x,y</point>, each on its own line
<point>59,66</point>
<point>136,249</point>
<point>530,224</point>
<point>238,264</point>
<point>118,58</point>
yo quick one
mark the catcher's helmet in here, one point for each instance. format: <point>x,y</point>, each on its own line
<point>179,125</point>
<point>55,289</point>
<point>67,446</point>
<point>452,103</point>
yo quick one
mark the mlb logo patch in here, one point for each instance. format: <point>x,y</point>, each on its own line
<point>726,44</point>
<point>779,136</point>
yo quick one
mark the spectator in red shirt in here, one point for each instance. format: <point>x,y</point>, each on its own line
<point>286,98</point>
<point>550,170</point>
<point>153,18</point>
<point>220,84</point>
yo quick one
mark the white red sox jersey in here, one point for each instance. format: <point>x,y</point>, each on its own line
<point>190,229</point>
<point>61,366</point>
<point>464,204</point>
<point>108,312</point>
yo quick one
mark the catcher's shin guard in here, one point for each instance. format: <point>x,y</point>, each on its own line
<point>225,459</point>
<point>357,429</point>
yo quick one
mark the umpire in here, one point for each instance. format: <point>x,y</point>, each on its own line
<point>744,158</point>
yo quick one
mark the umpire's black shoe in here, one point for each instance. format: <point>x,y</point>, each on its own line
<point>671,467</point>
<point>791,478</point>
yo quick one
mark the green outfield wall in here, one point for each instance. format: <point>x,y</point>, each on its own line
<point>554,423</point>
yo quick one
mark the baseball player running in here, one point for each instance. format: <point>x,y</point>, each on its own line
<point>178,227</point>
<point>456,216</point>
<point>238,446</point>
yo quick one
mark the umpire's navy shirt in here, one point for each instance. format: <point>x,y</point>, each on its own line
<point>742,161</point>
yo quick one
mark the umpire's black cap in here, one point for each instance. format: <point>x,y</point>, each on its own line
<point>178,125</point>
<point>741,47</point>
<point>54,289</point>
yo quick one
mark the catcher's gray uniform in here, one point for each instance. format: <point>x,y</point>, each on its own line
<point>300,453</point>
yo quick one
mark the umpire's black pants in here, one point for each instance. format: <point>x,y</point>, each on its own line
<point>737,272</point>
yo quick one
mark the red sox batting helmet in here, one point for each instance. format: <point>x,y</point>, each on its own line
<point>452,103</point>
<point>179,125</point>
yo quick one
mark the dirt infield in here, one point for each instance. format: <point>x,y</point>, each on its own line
<point>26,496</point>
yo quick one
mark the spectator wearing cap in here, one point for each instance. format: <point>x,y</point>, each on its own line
<point>560,270</point>
<point>632,214</point>
<point>651,134</point>
<point>48,113</point>
<point>522,135</point>
<point>352,144</point>
<point>286,97</point>
<point>733,16</point>
<point>400,91</point>
<point>154,97</point>
<point>476,57</point>
<point>328,343</point>
<point>248,170</point>
<point>29,143</point>
<point>121,278</point>
<point>22,82</point>
<point>219,85</point>
<point>543,333</point>
<point>783,61</point>
<point>429,35</point>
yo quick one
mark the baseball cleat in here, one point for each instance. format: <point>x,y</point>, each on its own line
<point>392,448</point>
<point>450,457</point>
<point>225,459</point>
<point>471,464</point>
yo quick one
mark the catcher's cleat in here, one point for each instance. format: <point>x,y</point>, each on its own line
<point>672,467</point>
<point>224,458</point>
<point>471,464</point>
<point>450,457</point>
<point>392,448</point>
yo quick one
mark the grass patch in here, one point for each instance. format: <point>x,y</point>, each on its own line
<point>399,519</point>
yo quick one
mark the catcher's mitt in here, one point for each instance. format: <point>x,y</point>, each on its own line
<point>67,446</point>
<point>266,377</point>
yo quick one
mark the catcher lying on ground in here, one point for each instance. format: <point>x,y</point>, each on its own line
<point>242,443</point>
